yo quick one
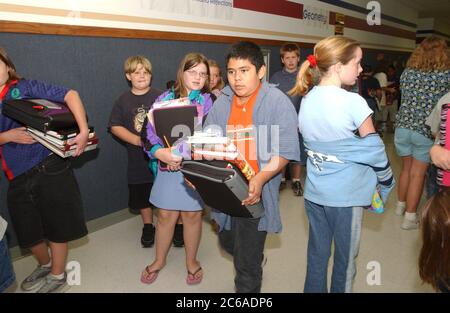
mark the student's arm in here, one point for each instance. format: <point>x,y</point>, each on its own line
<point>440,157</point>
<point>73,101</point>
<point>256,183</point>
<point>17,135</point>
<point>125,135</point>
<point>366,127</point>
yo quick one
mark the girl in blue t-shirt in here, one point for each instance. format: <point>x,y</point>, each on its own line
<point>329,117</point>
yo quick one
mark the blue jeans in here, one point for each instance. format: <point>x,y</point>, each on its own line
<point>7,276</point>
<point>328,224</point>
<point>246,244</point>
<point>431,184</point>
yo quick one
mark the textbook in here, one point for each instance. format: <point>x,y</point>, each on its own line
<point>171,103</point>
<point>64,134</point>
<point>66,150</point>
<point>55,140</point>
<point>228,152</point>
<point>206,138</point>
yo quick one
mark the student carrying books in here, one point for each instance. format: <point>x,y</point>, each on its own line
<point>248,107</point>
<point>43,196</point>
<point>170,193</point>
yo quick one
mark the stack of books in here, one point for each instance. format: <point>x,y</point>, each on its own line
<point>59,141</point>
<point>211,147</point>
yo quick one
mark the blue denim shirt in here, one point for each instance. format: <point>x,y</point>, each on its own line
<point>345,173</point>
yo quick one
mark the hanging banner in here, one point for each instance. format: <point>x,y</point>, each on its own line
<point>316,17</point>
<point>220,9</point>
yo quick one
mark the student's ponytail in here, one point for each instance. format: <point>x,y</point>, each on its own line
<point>305,79</point>
<point>327,52</point>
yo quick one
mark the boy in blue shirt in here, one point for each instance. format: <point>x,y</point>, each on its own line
<point>285,79</point>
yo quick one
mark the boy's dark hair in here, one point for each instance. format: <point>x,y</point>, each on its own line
<point>367,68</point>
<point>246,50</point>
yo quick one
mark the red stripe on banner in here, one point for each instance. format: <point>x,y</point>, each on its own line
<point>277,7</point>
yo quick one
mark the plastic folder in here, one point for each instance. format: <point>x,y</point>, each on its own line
<point>222,187</point>
<point>173,123</point>
<point>40,114</point>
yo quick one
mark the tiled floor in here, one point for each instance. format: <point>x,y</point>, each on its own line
<point>111,259</point>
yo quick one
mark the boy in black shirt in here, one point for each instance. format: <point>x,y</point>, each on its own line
<point>127,117</point>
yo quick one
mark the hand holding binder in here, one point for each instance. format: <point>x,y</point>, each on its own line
<point>222,186</point>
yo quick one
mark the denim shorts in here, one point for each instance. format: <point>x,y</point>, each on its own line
<point>411,143</point>
<point>7,276</point>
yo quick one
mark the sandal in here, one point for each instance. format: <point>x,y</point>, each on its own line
<point>148,277</point>
<point>192,280</point>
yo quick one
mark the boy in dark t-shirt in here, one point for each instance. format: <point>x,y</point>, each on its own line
<point>370,89</point>
<point>126,120</point>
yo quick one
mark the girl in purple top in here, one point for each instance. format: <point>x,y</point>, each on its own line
<point>170,193</point>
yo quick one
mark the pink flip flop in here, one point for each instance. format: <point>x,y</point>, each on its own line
<point>192,280</point>
<point>150,277</point>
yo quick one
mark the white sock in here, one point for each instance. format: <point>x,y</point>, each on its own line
<point>283,179</point>
<point>410,216</point>
<point>58,277</point>
<point>295,179</point>
<point>49,264</point>
<point>401,204</point>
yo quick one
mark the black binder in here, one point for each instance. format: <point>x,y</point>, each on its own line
<point>40,114</point>
<point>221,186</point>
<point>173,123</point>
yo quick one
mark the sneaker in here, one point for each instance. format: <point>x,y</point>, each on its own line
<point>178,240</point>
<point>148,236</point>
<point>36,278</point>
<point>53,284</point>
<point>399,210</point>
<point>297,188</point>
<point>282,185</point>
<point>408,224</point>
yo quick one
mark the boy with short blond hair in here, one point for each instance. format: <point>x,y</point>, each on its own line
<point>126,120</point>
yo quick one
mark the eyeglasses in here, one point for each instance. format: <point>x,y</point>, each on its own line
<point>193,73</point>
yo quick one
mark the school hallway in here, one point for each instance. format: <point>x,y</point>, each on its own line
<point>111,258</point>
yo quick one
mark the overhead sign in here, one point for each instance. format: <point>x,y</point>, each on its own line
<point>339,24</point>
